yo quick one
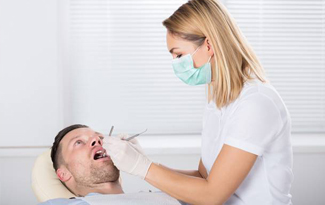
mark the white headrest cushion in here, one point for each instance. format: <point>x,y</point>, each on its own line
<point>46,185</point>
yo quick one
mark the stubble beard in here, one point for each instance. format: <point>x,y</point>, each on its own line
<point>106,172</point>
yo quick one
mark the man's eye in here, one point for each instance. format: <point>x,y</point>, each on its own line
<point>178,56</point>
<point>78,142</point>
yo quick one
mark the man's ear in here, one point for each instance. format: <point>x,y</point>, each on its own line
<point>63,174</point>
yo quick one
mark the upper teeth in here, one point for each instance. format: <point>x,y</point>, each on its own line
<point>102,153</point>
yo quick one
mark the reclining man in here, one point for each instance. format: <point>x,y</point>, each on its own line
<point>84,167</point>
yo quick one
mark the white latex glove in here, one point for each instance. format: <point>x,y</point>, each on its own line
<point>134,142</point>
<point>127,158</point>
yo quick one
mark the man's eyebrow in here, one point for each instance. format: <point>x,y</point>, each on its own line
<point>172,50</point>
<point>75,137</point>
<point>100,134</point>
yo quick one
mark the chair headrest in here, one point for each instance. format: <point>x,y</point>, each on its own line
<point>46,185</point>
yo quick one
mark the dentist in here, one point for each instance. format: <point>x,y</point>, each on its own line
<point>246,149</point>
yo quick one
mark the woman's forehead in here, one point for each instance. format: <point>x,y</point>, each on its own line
<point>178,43</point>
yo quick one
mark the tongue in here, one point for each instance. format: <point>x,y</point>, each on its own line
<point>97,156</point>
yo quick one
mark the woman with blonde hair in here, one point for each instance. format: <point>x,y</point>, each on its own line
<point>246,149</point>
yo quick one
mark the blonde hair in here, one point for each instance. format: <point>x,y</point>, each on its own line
<point>234,59</point>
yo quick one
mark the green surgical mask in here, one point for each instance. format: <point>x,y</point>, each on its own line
<point>184,70</point>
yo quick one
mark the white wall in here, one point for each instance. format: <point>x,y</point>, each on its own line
<point>15,177</point>
<point>29,83</point>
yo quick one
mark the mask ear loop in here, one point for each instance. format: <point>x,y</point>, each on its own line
<point>195,51</point>
<point>209,62</point>
<point>209,59</point>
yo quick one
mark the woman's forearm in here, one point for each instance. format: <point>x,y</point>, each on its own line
<point>194,173</point>
<point>187,188</point>
<point>228,172</point>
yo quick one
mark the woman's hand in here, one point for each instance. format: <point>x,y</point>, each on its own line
<point>134,142</point>
<point>127,157</point>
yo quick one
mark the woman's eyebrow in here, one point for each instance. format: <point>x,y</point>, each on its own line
<point>172,50</point>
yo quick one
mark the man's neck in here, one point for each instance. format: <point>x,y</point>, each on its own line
<point>104,188</point>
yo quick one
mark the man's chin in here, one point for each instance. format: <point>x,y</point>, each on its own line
<point>109,169</point>
<point>110,163</point>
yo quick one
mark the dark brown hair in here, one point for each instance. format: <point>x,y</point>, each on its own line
<point>56,152</point>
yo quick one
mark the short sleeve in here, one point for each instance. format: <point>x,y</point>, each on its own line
<point>253,124</point>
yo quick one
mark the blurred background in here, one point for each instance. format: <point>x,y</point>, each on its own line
<point>105,62</point>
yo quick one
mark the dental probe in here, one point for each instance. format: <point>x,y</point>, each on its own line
<point>130,138</point>
<point>110,132</point>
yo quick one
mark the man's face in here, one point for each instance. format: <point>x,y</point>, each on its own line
<point>84,157</point>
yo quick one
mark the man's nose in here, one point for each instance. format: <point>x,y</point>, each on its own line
<point>96,141</point>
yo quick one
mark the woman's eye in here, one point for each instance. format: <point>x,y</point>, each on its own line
<point>178,56</point>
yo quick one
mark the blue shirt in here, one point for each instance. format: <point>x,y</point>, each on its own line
<point>74,201</point>
<point>63,201</point>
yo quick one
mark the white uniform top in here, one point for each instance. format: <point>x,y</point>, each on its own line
<point>257,122</point>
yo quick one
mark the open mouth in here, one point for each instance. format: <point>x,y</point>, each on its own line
<point>100,154</point>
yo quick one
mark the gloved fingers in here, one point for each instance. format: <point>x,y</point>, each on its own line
<point>122,136</point>
<point>128,157</point>
<point>114,146</point>
<point>134,141</point>
<point>122,153</point>
<point>113,140</point>
<point>111,151</point>
<point>117,148</point>
<point>117,145</point>
<point>120,140</point>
